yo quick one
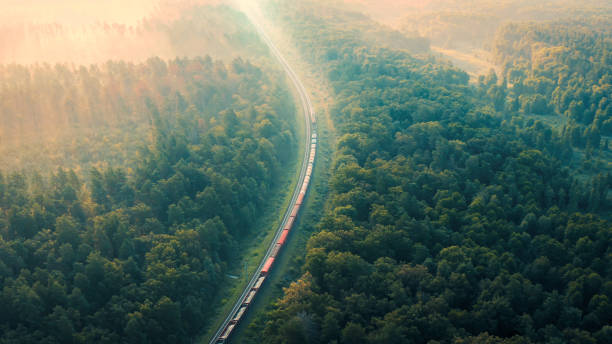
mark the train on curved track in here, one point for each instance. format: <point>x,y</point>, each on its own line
<point>264,271</point>
<point>249,293</point>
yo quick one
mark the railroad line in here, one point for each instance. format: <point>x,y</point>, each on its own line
<point>258,279</point>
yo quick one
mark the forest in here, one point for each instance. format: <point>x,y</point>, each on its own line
<point>133,172</point>
<point>114,254</point>
<point>90,110</point>
<point>560,69</point>
<point>452,216</point>
<point>473,24</point>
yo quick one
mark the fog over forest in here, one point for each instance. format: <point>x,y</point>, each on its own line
<point>85,32</point>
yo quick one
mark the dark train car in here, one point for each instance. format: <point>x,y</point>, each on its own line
<point>226,333</point>
<point>249,297</point>
<point>238,315</point>
<point>259,282</point>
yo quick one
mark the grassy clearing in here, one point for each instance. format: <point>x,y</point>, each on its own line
<point>475,63</point>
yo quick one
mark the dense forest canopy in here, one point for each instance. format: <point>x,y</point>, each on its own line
<point>561,68</point>
<point>451,218</point>
<point>455,212</point>
<point>117,256</point>
<point>127,185</point>
<point>559,72</point>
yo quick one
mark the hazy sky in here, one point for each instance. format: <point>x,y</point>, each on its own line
<point>26,35</point>
<point>75,11</point>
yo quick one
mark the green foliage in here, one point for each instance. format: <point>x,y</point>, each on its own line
<point>447,221</point>
<point>138,255</point>
<point>560,68</point>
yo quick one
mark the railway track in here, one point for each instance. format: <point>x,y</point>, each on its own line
<point>258,279</point>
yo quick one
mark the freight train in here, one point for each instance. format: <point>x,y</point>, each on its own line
<point>280,242</point>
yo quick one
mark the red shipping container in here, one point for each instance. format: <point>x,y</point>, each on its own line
<point>267,266</point>
<point>283,237</point>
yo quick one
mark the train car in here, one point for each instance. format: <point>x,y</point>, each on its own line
<point>238,315</point>
<point>249,298</point>
<point>289,223</point>
<point>314,135</point>
<point>259,282</point>
<point>295,211</point>
<point>226,333</point>
<point>300,198</point>
<point>266,268</point>
<point>275,250</point>
<point>283,237</point>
